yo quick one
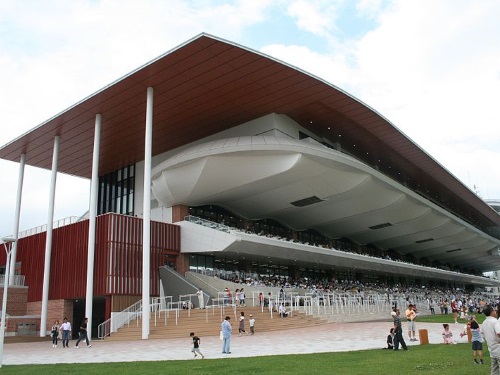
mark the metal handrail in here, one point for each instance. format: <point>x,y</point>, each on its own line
<point>120,319</point>
<point>208,223</point>
<point>43,228</point>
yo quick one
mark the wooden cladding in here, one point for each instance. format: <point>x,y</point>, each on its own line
<point>117,258</point>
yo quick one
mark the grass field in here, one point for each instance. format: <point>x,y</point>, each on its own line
<point>421,359</point>
<point>440,318</point>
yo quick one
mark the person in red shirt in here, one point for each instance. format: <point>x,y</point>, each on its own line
<point>454,310</point>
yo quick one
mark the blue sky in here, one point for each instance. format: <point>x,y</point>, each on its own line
<point>431,67</point>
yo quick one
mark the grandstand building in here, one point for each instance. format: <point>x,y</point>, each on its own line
<point>216,159</point>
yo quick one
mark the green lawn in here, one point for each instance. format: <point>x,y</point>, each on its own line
<point>448,318</point>
<point>427,359</point>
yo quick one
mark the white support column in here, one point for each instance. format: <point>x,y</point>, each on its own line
<point>20,181</point>
<point>48,241</point>
<point>146,220</point>
<point>94,184</point>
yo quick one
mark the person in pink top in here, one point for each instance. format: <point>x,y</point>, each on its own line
<point>447,334</point>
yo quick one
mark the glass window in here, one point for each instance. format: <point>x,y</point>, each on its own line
<point>116,193</point>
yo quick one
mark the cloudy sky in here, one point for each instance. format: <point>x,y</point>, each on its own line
<point>431,67</point>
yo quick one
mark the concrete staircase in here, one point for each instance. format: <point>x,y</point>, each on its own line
<point>207,323</point>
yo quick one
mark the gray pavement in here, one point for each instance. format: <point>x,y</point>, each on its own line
<point>333,337</point>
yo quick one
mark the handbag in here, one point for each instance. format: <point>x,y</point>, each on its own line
<point>221,336</point>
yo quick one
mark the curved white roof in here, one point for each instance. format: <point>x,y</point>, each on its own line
<point>263,176</point>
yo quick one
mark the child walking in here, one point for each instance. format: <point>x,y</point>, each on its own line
<point>196,346</point>
<point>251,323</point>
<point>477,342</point>
<point>447,334</point>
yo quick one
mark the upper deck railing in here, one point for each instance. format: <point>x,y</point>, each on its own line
<point>15,280</point>
<point>43,228</point>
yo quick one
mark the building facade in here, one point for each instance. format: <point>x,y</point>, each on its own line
<point>215,157</point>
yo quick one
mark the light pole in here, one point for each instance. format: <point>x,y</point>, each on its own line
<point>7,244</point>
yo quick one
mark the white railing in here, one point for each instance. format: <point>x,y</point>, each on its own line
<point>15,280</point>
<point>120,319</point>
<point>165,307</point>
<point>208,223</point>
<point>312,303</point>
<point>341,304</point>
<point>43,228</point>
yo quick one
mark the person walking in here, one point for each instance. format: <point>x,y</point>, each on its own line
<point>398,337</point>
<point>226,335</point>
<point>83,334</point>
<point>251,323</point>
<point>490,332</point>
<point>241,327</point>
<point>55,333</point>
<point>242,298</point>
<point>196,345</point>
<point>66,332</point>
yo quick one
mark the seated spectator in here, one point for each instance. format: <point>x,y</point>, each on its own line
<point>390,339</point>
<point>282,311</point>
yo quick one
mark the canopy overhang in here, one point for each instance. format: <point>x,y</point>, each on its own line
<point>208,85</point>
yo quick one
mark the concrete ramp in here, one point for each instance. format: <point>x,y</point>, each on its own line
<point>176,285</point>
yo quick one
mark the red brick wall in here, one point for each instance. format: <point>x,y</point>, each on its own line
<point>12,323</point>
<point>56,310</point>
<point>16,300</point>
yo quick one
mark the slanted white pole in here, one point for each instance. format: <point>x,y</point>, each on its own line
<point>15,234</point>
<point>48,240</point>
<point>146,229</point>
<point>94,184</point>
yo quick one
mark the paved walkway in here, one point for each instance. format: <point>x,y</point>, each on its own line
<point>334,337</point>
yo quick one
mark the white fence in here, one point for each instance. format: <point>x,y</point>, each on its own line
<point>15,280</point>
<point>164,309</point>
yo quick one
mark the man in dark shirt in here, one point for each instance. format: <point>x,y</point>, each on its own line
<point>83,334</point>
<point>398,338</point>
<point>196,345</point>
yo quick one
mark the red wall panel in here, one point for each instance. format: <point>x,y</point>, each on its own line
<point>117,258</point>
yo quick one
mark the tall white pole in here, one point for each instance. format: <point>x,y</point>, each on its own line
<point>94,184</point>
<point>4,301</point>
<point>48,241</point>
<point>16,217</point>
<point>146,220</point>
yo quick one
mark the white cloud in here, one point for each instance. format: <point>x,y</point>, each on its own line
<point>54,53</point>
<point>431,67</point>
<point>369,8</point>
<point>317,17</point>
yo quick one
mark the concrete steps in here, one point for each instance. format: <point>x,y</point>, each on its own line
<point>204,324</point>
